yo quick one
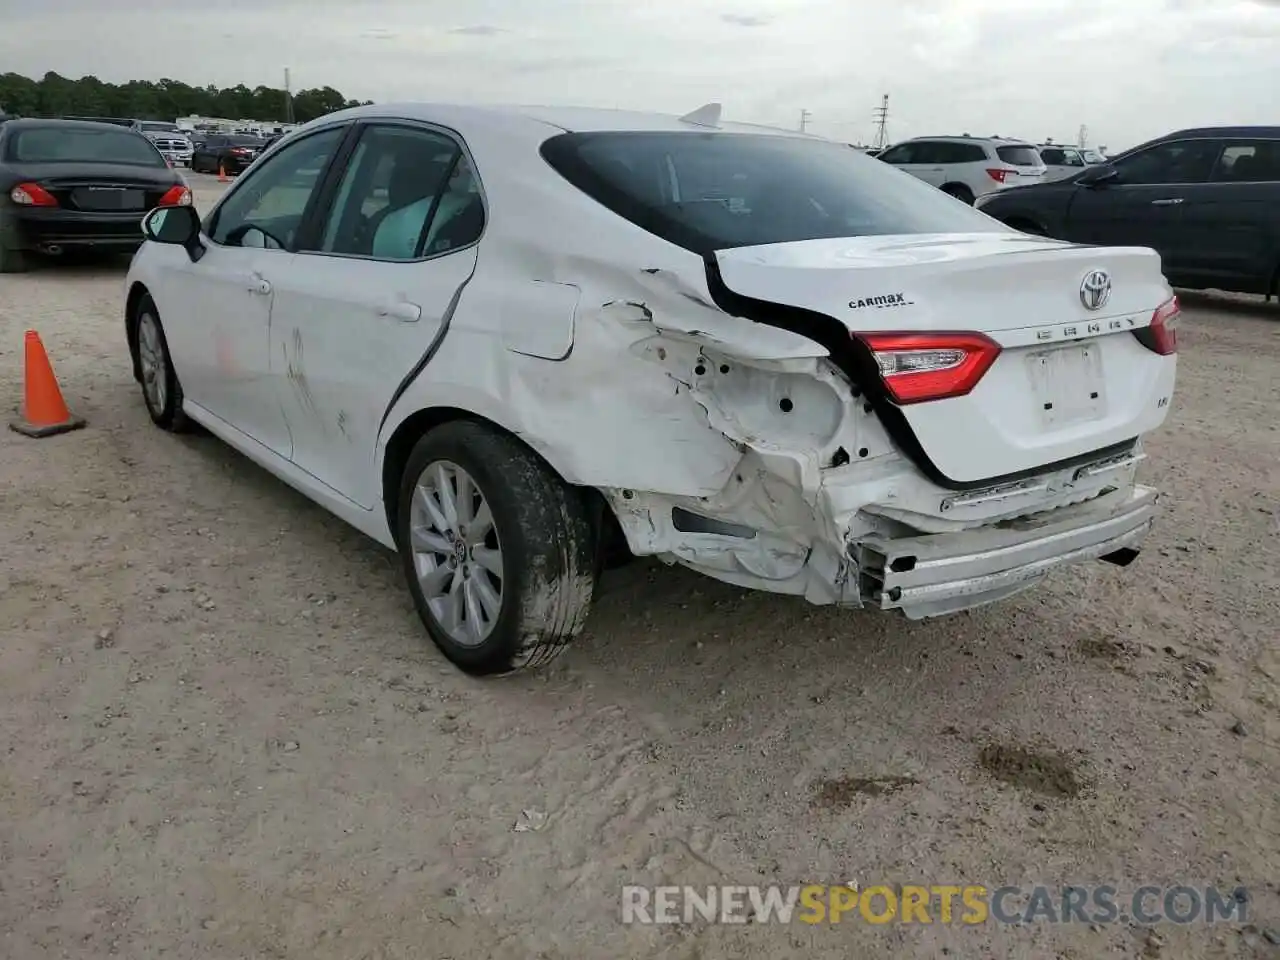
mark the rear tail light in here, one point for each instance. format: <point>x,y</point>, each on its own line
<point>32,195</point>
<point>1162,336</point>
<point>916,367</point>
<point>998,175</point>
<point>178,196</point>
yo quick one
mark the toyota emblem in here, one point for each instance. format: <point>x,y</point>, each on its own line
<point>1095,289</point>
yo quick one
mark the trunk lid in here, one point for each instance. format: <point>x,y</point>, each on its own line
<point>101,187</point>
<point>1068,381</point>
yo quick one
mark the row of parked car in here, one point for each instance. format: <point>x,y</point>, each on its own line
<point>1207,200</point>
<point>970,167</point>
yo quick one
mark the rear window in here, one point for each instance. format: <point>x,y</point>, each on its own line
<point>1092,156</point>
<point>1019,156</point>
<point>82,145</point>
<point>245,141</point>
<point>713,191</point>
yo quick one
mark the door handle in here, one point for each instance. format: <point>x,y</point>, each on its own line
<point>401,310</point>
<point>255,283</point>
<point>1166,203</point>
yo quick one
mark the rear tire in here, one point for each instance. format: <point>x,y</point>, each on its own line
<point>498,551</point>
<point>161,390</point>
<point>13,261</point>
<point>960,192</point>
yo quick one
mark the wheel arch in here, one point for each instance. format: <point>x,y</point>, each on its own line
<point>137,290</point>
<point>959,187</point>
<point>416,425</point>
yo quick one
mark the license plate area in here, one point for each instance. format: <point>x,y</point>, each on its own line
<point>1067,383</point>
<point>87,198</point>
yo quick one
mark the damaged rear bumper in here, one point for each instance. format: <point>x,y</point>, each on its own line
<point>935,574</point>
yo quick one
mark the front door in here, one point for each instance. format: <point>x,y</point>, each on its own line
<point>920,158</point>
<point>224,340</point>
<point>366,302</point>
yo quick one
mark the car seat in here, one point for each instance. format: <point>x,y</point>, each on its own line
<point>413,178</point>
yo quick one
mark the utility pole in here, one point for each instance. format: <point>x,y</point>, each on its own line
<point>881,117</point>
<point>1084,136</point>
<point>288,98</point>
<point>804,120</point>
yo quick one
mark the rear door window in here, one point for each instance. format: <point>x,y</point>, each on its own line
<point>966,153</point>
<point>1249,161</point>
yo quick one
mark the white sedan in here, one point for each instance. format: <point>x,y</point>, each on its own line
<point>505,341</point>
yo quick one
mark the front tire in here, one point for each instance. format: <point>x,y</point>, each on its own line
<point>498,551</point>
<point>161,390</point>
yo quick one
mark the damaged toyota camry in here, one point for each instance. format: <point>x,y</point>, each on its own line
<point>506,342</point>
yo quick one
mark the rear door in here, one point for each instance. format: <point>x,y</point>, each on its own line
<point>1140,206</point>
<point>359,312</point>
<point>1228,229</point>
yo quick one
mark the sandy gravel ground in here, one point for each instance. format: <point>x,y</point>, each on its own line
<point>224,735</point>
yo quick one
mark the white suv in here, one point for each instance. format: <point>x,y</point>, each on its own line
<point>1064,161</point>
<point>967,167</point>
<point>503,341</point>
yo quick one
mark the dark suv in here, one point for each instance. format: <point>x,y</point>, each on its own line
<point>1207,200</point>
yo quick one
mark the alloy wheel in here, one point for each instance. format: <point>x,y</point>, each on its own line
<point>456,552</point>
<point>151,358</point>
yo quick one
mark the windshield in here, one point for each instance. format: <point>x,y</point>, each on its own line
<point>83,145</point>
<point>713,191</point>
<point>157,127</point>
<point>1092,156</point>
<point>1020,156</point>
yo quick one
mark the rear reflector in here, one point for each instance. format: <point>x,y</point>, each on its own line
<point>916,367</point>
<point>32,195</point>
<point>178,196</point>
<point>1162,336</point>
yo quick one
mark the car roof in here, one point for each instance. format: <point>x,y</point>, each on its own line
<point>32,123</point>
<point>562,118</point>
<point>962,138</point>
<point>1262,132</point>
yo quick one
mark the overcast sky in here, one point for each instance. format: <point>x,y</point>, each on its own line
<point>1128,69</point>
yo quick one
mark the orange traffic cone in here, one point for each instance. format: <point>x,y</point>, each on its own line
<point>44,412</point>
<point>222,173</point>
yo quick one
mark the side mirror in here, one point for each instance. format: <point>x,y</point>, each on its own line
<point>1097,175</point>
<point>179,226</point>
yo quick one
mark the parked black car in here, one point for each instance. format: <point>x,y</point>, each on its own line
<point>1207,200</point>
<point>231,153</point>
<point>75,185</point>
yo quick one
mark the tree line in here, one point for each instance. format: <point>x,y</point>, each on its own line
<point>57,96</point>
